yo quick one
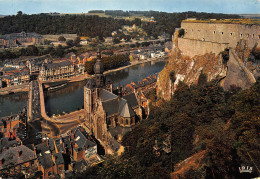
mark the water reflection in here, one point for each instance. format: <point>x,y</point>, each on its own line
<point>12,103</point>
<point>136,73</point>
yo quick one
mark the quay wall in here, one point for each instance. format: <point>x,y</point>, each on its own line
<point>14,89</point>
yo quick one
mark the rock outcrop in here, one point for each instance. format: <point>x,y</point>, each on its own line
<point>238,71</point>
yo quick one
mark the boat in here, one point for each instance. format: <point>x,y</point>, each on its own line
<point>56,86</point>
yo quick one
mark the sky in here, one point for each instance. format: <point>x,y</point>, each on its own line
<point>10,7</point>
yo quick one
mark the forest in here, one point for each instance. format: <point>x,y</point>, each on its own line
<point>92,26</point>
<point>222,127</point>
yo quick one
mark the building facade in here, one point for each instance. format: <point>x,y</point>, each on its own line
<point>59,70</point>
<point>109,116</point>
<point>20,39</point>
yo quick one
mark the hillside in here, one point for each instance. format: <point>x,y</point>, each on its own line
<point>202,132</point>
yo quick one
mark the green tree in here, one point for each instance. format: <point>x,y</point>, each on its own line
<point>76,41</point>
<point>61,39</point>
<point>69,43</point>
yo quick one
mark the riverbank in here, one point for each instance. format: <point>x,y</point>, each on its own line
<point>14,89</point>
<point>25,88</point>
<point>87,76</point>
<point>135,63</point>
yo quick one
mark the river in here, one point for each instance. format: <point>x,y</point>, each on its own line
<point>12,103</point>
<point>70,98</point>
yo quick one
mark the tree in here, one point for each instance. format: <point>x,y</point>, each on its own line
<point>202,79</point>
<point>69,43</point>
<point>116,40</point>
<point>19,13</point>
<point>76,41</point>
<point>172,76</point>
<point>61,39</point>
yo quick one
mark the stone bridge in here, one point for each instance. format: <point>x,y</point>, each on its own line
<point>51,126</point>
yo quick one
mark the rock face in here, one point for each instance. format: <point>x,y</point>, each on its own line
<point>237,71</point>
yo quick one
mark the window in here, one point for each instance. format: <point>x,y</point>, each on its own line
<point>253,36</point>
<point>231,33</point>
<point>241,35</point>
<point>214,32</point>
<point>222,33</point>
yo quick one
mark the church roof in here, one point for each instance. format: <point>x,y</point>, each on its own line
<point>106,95</point>
<point>131,99</point>
<point>111,106</point>
<point>117,106</point>
<point>115,131</point>
<point>127,111</point>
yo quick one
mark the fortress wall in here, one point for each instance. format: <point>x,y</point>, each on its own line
<point>191,47</point>
<point>222,33</point>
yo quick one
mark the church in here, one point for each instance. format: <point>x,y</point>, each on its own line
<point>109,116</point>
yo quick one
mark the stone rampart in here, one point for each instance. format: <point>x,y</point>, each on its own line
<point>200,37</point>
<point>222,32</point>
<point>191,47</point>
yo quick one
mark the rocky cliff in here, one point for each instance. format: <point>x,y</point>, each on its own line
<point>241,68</point>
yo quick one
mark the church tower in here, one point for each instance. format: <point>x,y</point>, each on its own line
<point>99,69</point>
<point>93,86</point>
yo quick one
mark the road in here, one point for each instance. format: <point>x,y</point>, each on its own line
<point>55,126</point>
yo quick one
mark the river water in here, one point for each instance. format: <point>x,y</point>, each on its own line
<point>70,98</point>
<point>12,103</point>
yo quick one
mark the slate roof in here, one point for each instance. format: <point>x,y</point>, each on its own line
<point>45,160</point>
<point>82,141</point>
<point>41,148</point>
<point>19,35</point>
<point>5,143</point>
<point>106,95</point>
<point>80,165</point>
<point>127,111</point>
<point>58,158</point>
<point>66,141</point>
<point>11,156</point>
<point>59,145</point>
<point>44,155</point>
<point>57,65</point>
<point>111,107</point>
<point>131,99</point>
<point>51,144</point>
<point>114,144</point>
<point>115,131</point>
<point>113,104</point>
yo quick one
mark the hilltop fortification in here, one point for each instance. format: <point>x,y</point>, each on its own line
<point>214,36</point>
<point>225,50</point>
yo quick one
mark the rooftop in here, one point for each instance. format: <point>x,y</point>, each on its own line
<point>16,155</point>
<point>226,21</point>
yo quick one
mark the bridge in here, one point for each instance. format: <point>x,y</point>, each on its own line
<point>51,126</point>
